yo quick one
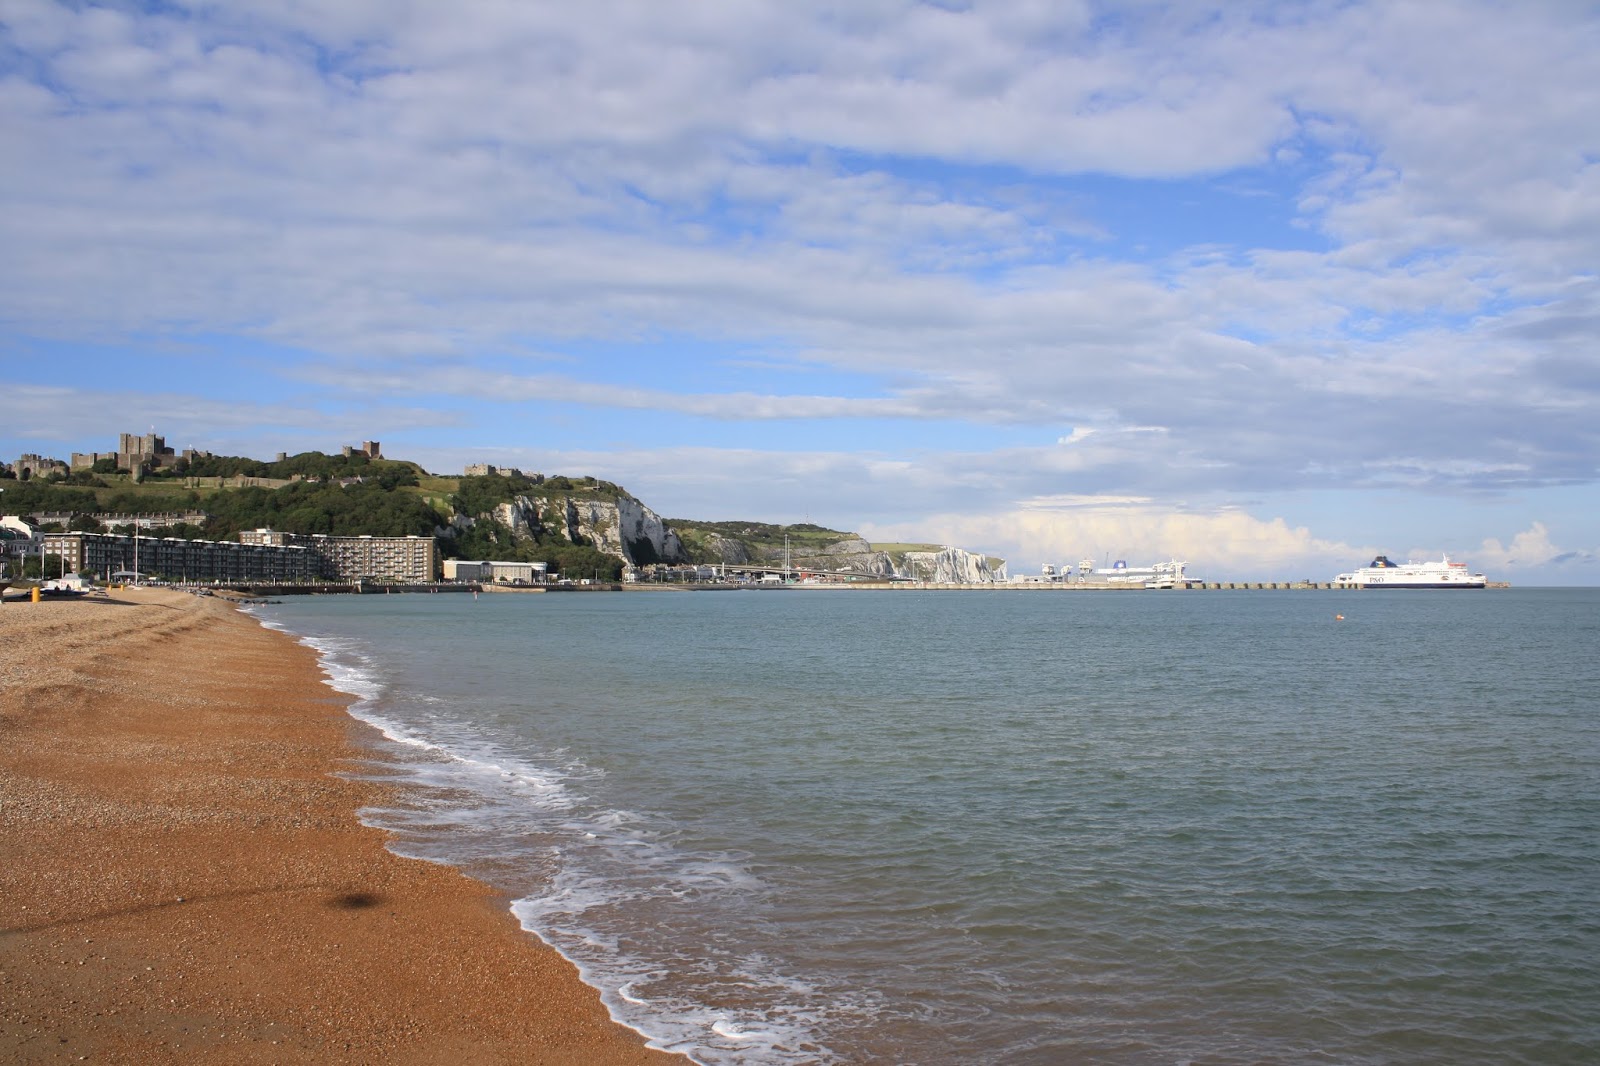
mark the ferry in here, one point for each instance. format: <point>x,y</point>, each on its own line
<point>1166,575</point>
<point>1383,574</point>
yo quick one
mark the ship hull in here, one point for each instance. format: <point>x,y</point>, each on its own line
<point>1432,586</point>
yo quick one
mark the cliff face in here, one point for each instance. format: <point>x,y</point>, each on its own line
<point>948,566</point>
<point>622,526</point>
<point>727,549</point>
<point>852,553</point>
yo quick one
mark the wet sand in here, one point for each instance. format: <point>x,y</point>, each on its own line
<point>183,877</point>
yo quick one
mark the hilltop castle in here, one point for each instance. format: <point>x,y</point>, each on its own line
<point>136,454</point>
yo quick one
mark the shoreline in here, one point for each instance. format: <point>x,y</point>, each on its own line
<point>188,879</point>
<point>247,593</point>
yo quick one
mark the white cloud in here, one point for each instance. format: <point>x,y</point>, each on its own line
<point>1533,550</point>
<point>1219,545</point>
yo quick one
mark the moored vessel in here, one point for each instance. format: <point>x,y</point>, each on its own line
<point>1383,574</point>
<point>1167,575</point>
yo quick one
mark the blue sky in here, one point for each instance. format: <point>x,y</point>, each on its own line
<point>1269,287</point>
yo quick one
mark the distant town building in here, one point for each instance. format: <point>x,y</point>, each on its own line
<point>157,520</point>
<point>19,538</point>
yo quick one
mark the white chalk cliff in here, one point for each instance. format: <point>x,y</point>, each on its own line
<point>621,526</point>
<point>947,566</point>
<point>625,527</point>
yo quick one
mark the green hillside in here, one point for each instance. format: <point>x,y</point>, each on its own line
<point>335,495</point>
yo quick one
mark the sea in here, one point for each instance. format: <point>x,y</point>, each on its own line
<point>789,826</point>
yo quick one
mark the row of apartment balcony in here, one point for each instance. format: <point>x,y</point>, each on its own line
<point>404,560</point>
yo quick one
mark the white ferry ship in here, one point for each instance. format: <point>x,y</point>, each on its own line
<point>1383,574</point>
<point>1156,576</point>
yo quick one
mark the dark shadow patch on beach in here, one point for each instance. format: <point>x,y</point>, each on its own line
<point>146,908</point>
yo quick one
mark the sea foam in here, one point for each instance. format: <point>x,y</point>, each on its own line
<point>470,801</point>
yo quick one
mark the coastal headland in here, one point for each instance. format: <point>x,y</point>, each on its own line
<point>186,878</point>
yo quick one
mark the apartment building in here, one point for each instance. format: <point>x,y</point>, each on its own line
<point>403,560</point>
<point>105,554</point>
<point>407,560</point>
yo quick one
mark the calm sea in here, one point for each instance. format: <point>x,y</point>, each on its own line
<point>1018,827</point>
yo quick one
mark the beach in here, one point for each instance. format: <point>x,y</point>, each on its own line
<point>186,878</point>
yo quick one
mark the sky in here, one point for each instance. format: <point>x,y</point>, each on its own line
<point>1268,287</point>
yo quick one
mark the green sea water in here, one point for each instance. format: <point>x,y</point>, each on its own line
<point>1019,827</point>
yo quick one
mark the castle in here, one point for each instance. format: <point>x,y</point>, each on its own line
<point>136,454</point>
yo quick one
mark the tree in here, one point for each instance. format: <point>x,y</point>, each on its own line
<point>42,566</point>
<point>577,561</point>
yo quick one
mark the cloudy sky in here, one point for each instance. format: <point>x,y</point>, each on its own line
<point>1267,287</point>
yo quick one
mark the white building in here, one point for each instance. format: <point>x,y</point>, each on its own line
<point>466,570</point>
<point>503,573</point>
<point>18,538</point>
